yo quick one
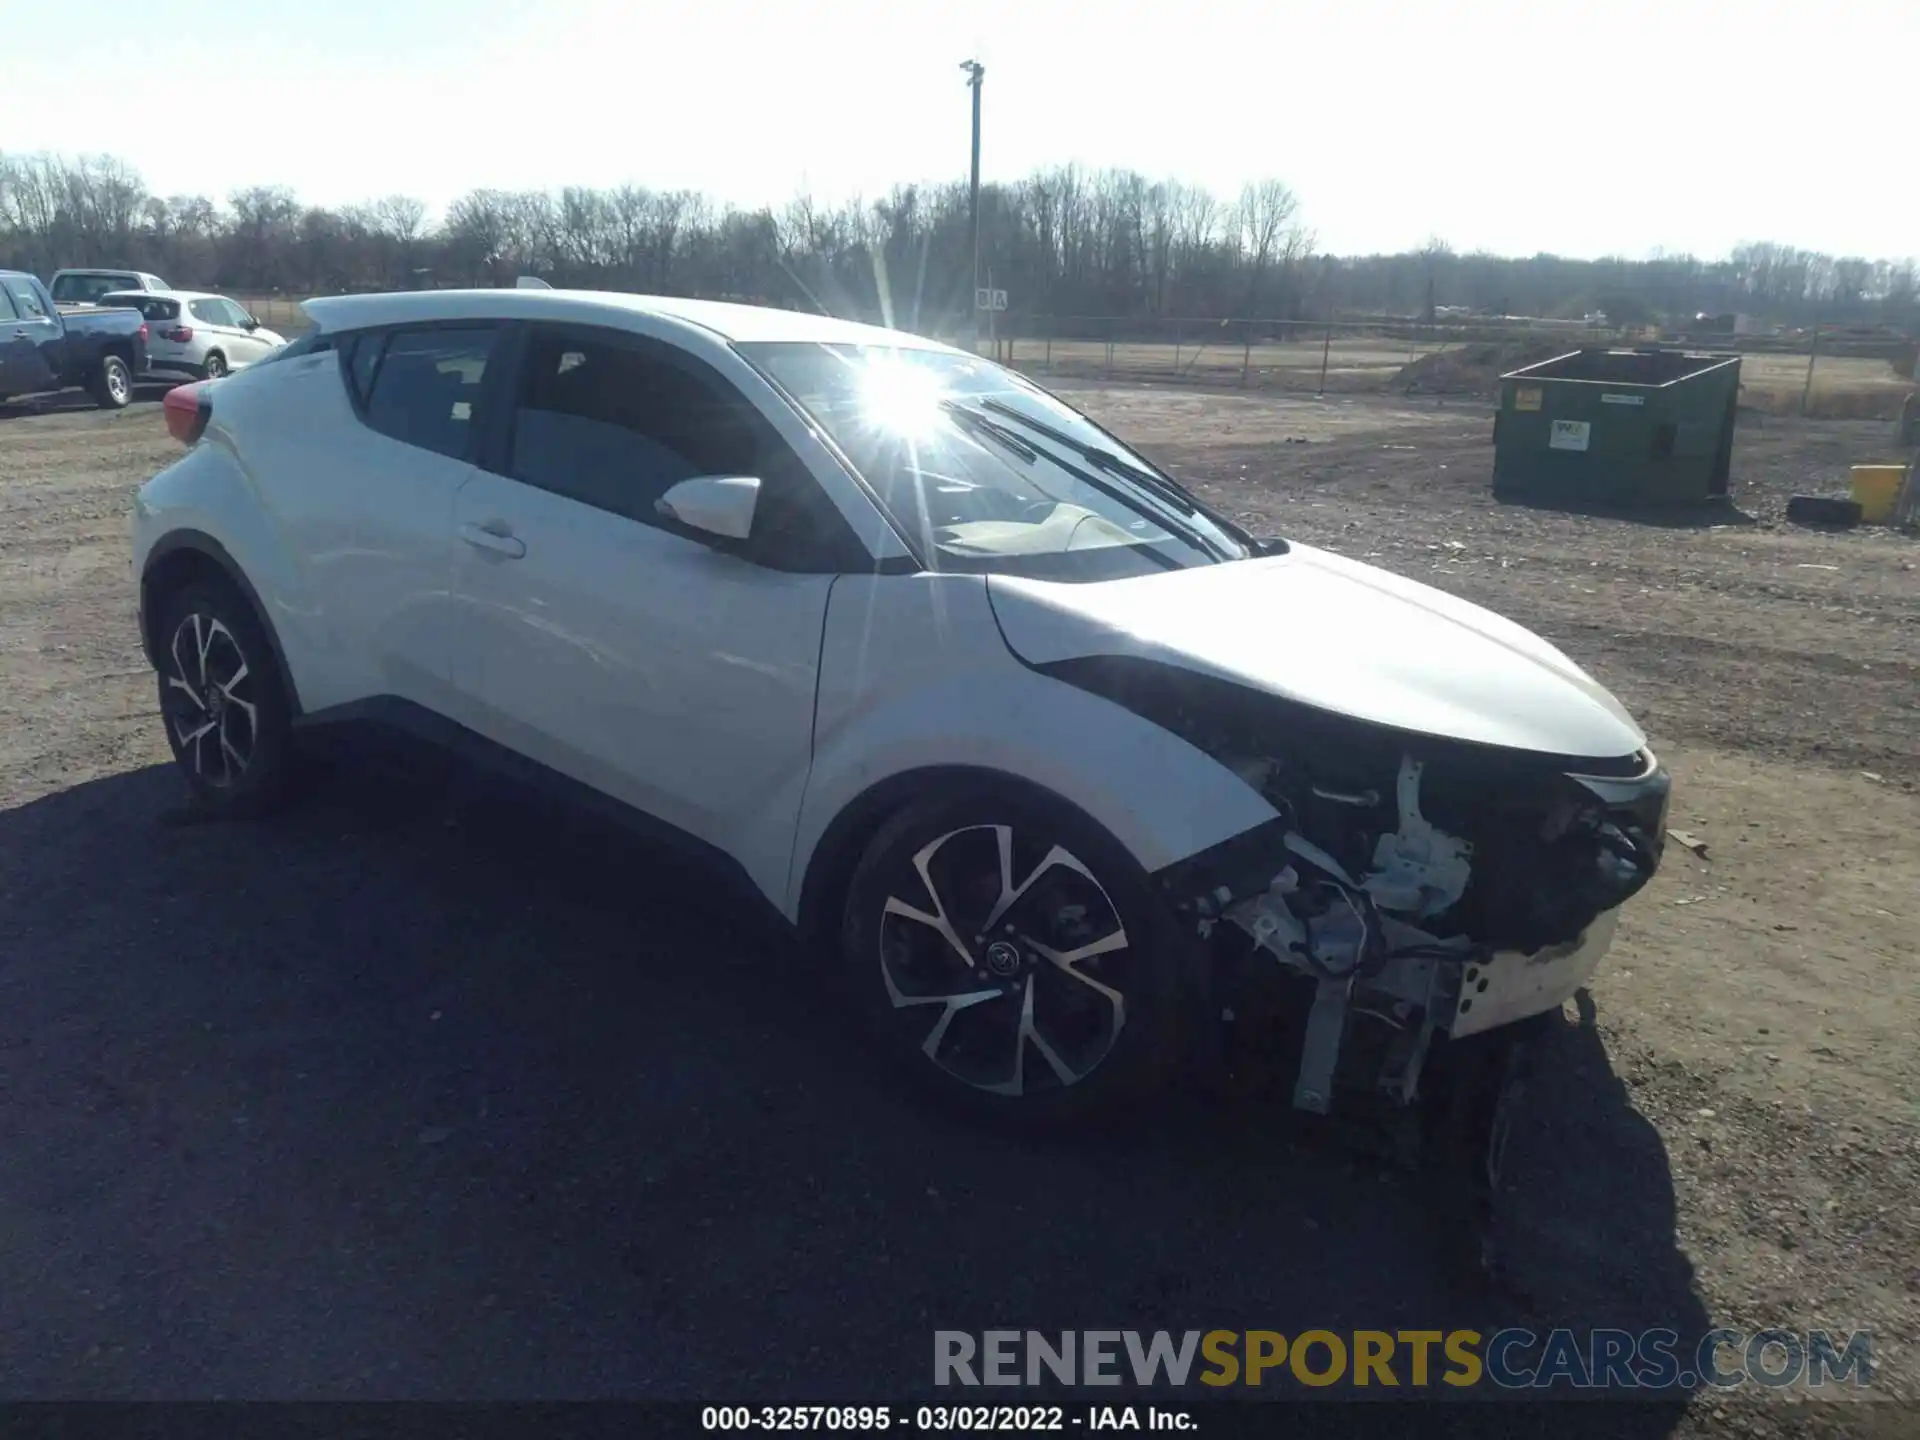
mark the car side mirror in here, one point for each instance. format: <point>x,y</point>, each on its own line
<point>251,323</point>
<point>721,505</point>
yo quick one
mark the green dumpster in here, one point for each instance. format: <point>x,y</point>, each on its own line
<point>1617,427</point>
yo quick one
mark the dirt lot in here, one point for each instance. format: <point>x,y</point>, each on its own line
<point>388,1098</point>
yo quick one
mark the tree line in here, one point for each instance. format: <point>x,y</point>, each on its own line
<point>1066,243</point>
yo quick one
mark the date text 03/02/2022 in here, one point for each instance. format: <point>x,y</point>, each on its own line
<point>947,1419</point>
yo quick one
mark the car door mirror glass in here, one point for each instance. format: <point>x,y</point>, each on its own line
<point>720,505</point>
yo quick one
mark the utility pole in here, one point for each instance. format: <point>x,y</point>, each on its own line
<point>976,72</point>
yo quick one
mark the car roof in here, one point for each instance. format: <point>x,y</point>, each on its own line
<point>743,324</point>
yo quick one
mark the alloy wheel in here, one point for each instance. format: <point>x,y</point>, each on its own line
<point>216,367</point>
<point>210,707</point>
<point>1005,960</point>
<point>119,383</point>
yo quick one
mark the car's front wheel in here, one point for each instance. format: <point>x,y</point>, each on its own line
<point>222,702</point>
<point>1012,956</point>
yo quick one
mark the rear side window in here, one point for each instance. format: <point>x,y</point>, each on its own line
<point>361,355</point>
<point>425,385</point>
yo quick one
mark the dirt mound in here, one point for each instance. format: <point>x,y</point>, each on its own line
<point>1475,368</point>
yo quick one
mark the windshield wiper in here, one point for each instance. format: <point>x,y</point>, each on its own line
<point>1095,455</point>
<point>976,423</point>
<point>1155,480</point>
<point>973,419</point>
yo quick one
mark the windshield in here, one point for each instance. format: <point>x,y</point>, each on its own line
<point>81,289</point>
<point>988,473</point>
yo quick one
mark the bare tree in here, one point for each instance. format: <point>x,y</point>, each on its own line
<point>1266,233</point>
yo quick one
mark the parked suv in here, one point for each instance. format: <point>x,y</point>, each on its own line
<point>190,334</point>
<point>1071,776</point>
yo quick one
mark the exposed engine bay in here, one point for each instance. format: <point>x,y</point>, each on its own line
<point>1412,892</point>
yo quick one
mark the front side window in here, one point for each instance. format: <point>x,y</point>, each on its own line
<point>26,298</point>
<point>7,312</point>
<point>425,384</point>
<point>616,427</point>
<point>616,421</point>
<point>988,473</point>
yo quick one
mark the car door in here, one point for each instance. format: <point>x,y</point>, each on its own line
<point>212,330</point>
<point>34,338</point>
<point>15,364</point>
<point>245,346</point>
<point>670,670</point>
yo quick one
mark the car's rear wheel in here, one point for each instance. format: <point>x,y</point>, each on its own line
<point>215,366</point>
<point>113,385</point>
<point>1013,957</point>
<point>222,701</point>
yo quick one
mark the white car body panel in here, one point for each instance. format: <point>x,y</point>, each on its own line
<point>358,546</point>
<point>914,674</point>
<point>672,677</point>
<point>1520,985</point>
<point>1338,635</point>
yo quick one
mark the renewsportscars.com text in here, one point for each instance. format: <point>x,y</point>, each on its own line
<point>1510,1359</point>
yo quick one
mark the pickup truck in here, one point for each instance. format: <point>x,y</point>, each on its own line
<point>45,348</point>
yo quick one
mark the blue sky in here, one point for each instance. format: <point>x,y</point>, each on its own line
<point>1514,125</point>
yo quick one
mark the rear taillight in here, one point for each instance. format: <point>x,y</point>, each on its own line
<point>143,330</point>
<point>187,408</point>
<point>179,334</point>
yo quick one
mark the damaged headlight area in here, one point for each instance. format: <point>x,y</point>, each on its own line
<point>1412,891</point>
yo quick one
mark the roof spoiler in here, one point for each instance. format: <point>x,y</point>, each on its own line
<point>531,282</point>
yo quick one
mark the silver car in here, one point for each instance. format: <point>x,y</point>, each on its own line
<point>198,336</point>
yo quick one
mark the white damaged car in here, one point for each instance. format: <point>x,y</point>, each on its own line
<point>1076,780</point>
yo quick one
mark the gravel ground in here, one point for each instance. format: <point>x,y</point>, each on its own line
<point>396,1098</point>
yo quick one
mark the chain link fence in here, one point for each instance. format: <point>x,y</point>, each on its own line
<point>1314,357</point>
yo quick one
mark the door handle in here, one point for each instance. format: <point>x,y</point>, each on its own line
<point>494,536</point>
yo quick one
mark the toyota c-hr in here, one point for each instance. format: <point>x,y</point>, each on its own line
<point>1073,778</point>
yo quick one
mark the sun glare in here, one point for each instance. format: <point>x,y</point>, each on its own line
<point>901,397</point>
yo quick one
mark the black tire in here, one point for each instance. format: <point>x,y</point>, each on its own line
<point>112,386</point>
<point>214,366</point>
<point>1822,510</point>
<point>235,749</point>
<point>1044,1046</point>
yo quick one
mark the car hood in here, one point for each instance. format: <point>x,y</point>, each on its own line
<point>1340,636</point>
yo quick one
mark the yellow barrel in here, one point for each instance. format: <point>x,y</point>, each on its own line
<point>1876,489</point>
